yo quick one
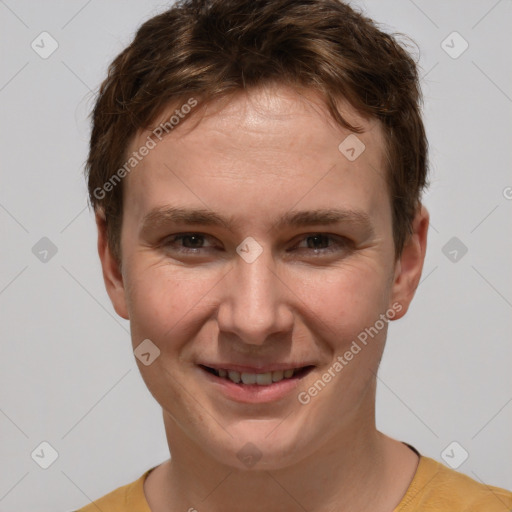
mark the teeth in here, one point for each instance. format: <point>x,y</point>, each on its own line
<point>234,376</point>
<point>262,379</point>
<point>248,378</point>
<point>277,376</point>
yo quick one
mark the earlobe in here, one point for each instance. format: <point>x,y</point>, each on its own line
<point>410,265</point>
<point>112,275</point>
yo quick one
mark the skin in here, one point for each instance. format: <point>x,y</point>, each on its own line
<point>256,157</point>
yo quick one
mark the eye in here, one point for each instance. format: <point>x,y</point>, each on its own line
<point>197,243</point>
<point>321,243</point>
<point>187,242</point>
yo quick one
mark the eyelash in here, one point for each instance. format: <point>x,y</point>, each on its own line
<point>340,241</point>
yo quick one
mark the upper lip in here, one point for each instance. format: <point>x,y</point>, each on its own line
<point>261,368</point>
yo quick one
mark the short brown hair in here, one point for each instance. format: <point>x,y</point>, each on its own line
<point>211,48</point>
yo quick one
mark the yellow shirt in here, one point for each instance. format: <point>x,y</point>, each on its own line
<point>434,488</point>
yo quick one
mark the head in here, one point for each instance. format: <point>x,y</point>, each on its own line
<point>256,169</point>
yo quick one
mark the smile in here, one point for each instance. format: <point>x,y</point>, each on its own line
<point>260,379</point>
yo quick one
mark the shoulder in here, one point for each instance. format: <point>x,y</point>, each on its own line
<point>128,498</point>
<point>435,487</point>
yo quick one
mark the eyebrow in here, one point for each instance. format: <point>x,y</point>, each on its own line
<point>173,215</point>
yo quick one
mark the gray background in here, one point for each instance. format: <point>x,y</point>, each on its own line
<point>68,375</point>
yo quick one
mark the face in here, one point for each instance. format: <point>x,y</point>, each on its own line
<point>254,249</point>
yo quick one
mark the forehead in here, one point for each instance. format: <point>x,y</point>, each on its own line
<point>260,115</point>
<point>271,141</point>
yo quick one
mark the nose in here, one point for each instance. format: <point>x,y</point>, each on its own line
<point>256,301</point>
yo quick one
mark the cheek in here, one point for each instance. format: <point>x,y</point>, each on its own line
<point>161,300</point>
<point>349,300</point>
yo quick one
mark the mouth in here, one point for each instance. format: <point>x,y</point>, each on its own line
<point>260,378</point>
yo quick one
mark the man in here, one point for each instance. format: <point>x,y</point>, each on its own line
<point>256,169</point>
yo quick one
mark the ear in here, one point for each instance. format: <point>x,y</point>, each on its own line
<point>410,264</point>
<point>111,272</point>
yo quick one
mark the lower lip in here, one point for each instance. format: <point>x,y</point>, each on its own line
<point>252,393</point>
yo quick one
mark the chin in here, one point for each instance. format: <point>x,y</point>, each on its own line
<point>261,445</point>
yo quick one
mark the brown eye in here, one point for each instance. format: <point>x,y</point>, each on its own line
<point>318,242</point>
<point>187,242</point>
<point>192,241</point>
<point>324,243</point>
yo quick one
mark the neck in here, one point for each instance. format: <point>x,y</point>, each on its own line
<point>357,470</point>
